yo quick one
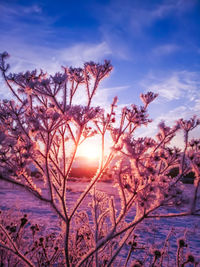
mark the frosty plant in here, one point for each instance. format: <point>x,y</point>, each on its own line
<point>42,129</point>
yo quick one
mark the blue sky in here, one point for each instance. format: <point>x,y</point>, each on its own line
<point>152,44</point>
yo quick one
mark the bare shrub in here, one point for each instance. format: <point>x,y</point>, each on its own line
<point>42,129</point>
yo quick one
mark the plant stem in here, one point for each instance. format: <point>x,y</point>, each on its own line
<point>67,244</point>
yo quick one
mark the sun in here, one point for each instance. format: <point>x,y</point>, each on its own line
<point>90,150</point>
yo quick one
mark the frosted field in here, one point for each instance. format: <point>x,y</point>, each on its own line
<point>151,232</point>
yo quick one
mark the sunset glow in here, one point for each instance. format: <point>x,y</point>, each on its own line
<point>90,150</point>
<point>99,133</point>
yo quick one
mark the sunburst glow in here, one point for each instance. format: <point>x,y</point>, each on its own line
<point>90,150</point>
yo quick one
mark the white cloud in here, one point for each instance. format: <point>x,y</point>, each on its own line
<point>170,118</point>
<point>175,86</point>
<point>183,87</point>
<point>103,95</point>
<point>26,43</point>
<point>79,53</point>
<point>25,57</point>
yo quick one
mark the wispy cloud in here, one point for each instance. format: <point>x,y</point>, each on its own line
<point>102,98</point>
<point>181,88</point>
<point>165,49</point>
<point>79,53</point>
<point>139,16</point>
<point>33,9</point>
<point>24,57</point>
<point>170,118</point>
<point>175,86</point>
<point>146,17</point>
<point>125,31</point>
<point>134,21</point>
<point>16,18</point>
<point>104,95</point>
<point>50,60</point>
<point>25,30</point>
<point>17,11</point>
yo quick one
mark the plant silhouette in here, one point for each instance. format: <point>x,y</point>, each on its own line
<point>40,132</point>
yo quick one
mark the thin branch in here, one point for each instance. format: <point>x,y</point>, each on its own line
<point>15,250</point>
<point>10,87</point>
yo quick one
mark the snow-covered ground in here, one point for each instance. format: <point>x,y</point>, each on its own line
<point>152,231</point>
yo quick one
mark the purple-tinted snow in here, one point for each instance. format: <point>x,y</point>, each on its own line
<point>152,231</point>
